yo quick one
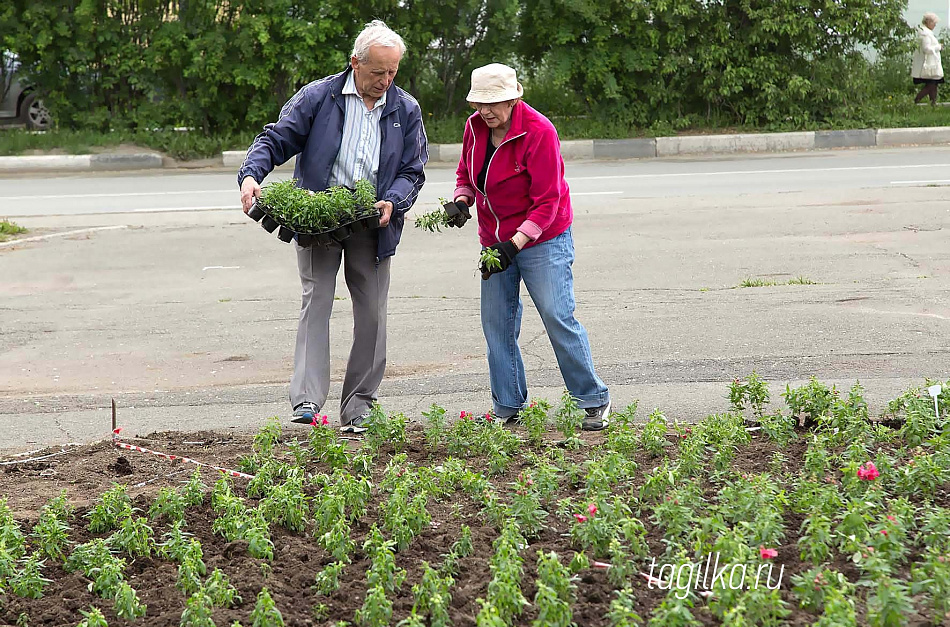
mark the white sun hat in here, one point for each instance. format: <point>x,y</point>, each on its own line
<point>494,82</point>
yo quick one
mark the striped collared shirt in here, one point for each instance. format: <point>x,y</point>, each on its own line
<point>359,151</point>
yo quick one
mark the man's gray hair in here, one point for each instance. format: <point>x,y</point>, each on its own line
<point>376,33</point>
<point>930,18</point>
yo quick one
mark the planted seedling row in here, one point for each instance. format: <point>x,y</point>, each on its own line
<point>654,522</point>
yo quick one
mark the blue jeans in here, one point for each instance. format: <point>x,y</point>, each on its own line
<point>546,271</point>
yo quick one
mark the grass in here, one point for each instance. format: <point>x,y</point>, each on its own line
<point>183,145</point>
<point>752,282</point>
<point>9,229</point>
<point>756,282</point>
<point>802,280</point>
<point>888,112</point>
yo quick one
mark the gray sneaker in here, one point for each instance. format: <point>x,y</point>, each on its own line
<point>596,418</point>
<point>304,413</point>
<point>358,425</point>
<point>512,421</point>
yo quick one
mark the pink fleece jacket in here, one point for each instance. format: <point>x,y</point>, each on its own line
<point>525,189</point>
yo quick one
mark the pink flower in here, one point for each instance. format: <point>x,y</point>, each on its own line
<point>767,554</point>
<point>868,472</point>
<point>891,518</point>
<point>488,416</point>
<point>581,518</point>
<point>592,509</point>
<point>529,482</point>
<point>884,532</point>
<point>324,421</point>
<point>464,414</point>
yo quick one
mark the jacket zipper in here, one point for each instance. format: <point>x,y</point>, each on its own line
<point>487,170</point>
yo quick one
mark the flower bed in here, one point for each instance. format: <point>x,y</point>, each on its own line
<point>743,518</point>
<point>315,217</point>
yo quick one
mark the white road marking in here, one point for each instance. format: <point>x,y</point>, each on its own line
<point>126,194</point>
<point>918,182</point>
<point>921,314</point>
<point>737,172</point>
<point>64,234</point>
<point>158,209</point>
<point>569,179</point>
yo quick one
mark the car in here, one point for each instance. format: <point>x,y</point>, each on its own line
<point>19,102</point>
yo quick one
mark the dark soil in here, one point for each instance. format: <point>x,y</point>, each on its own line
<point>87,471</point>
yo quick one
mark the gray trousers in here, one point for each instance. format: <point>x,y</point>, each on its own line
<point>368,283</point>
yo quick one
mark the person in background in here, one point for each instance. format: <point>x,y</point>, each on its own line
<point>511,169</point>
<point>353,125</point>
<point>927,68</point>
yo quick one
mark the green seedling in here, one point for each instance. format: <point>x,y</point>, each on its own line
<point>377,609</point>
<point>168,505</point>
<point>490,259</point>
<point>92,618</point>
<point>198,611</point>
<point>220,590</point>
<point>434,221</point>
<point>127,604</point>
<point>113,506</point>
<point>29,582</point>
<point>134,537</point>
<point>265,613</point>
<point>568,419</point>
<point>328,579</point>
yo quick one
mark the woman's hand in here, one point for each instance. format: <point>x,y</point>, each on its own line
<point>520,239</point>
<point>457,212</point>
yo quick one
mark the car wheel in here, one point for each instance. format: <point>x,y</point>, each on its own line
<point>35,114</point>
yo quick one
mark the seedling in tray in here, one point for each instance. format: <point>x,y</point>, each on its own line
<point>308,216</point>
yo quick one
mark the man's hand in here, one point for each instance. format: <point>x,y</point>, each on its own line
<point>250,190</point>
<point>506,253</point>
<point>385,212</point>
<point>457,212</point>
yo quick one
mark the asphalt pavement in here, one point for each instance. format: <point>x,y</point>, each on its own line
<point>154,289</point>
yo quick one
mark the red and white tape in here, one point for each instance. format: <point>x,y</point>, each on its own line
<point>187,460</point>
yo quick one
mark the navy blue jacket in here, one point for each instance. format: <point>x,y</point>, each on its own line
<point>311,126</point>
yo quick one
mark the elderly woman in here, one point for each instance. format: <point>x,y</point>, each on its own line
<point>927,69</point>
<point>512,171</point>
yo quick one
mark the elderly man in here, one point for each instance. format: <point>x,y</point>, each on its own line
<point>352,125</point>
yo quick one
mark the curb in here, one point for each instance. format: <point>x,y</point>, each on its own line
<point>579,149</point>
<point>71,163</point>
<point>650,147</point>
<point>139,161</point>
